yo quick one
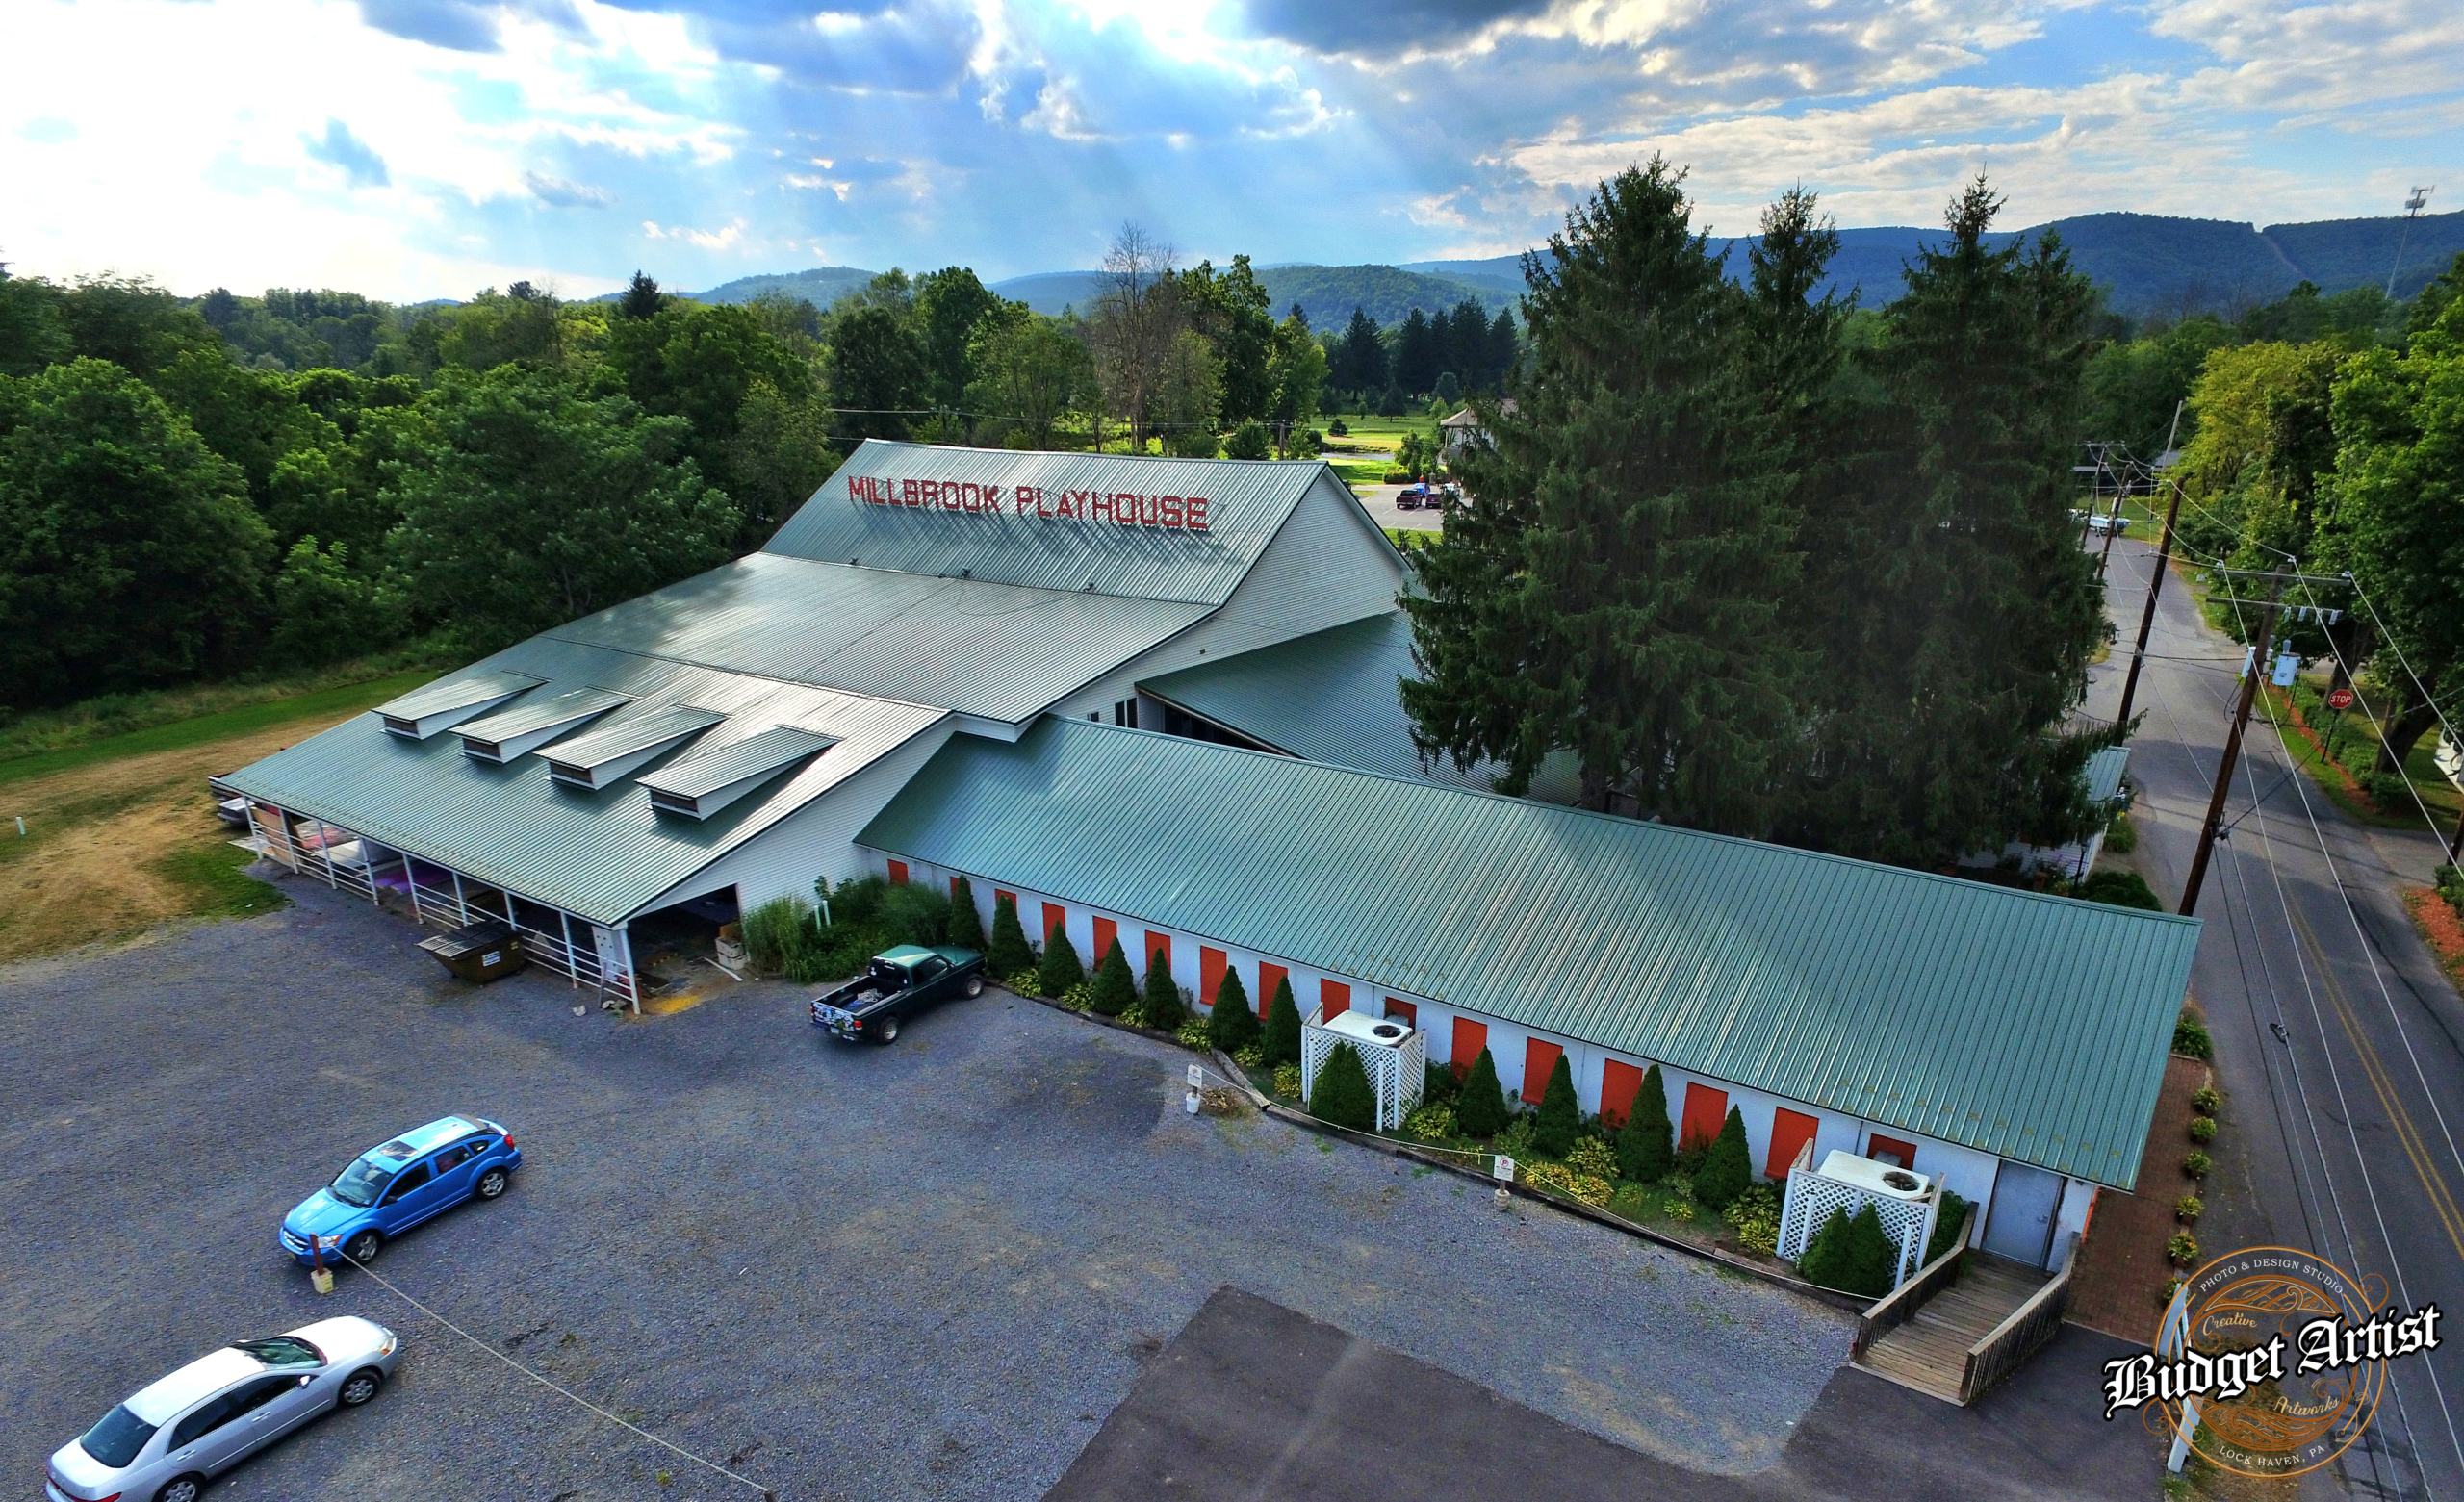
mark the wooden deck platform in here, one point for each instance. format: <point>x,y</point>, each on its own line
<point>1929,1353</point>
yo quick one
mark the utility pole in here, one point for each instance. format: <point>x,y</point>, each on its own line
<point>2413,207</point>
<point>2261,661</point>
<point>2147,617</point>
<point>2113,523</point>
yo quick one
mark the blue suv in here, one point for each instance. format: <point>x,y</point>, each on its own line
<point>386,1190</point>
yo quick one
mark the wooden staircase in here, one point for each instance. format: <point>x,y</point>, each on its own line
<point>1929,1349</point>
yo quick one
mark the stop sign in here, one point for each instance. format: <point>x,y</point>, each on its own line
<point>2340,699</point>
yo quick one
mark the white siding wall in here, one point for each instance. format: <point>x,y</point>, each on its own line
<point>816,840</point>
<point>2078,1198</point>
<point>1328,564</point>
<point>1965,1171</point>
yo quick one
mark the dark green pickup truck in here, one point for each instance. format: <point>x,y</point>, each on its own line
<point>899,983</point>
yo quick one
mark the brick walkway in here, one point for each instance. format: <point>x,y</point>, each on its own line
<point>2122,1266</point>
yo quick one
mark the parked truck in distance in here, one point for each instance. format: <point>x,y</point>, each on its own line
<point>899,983</point>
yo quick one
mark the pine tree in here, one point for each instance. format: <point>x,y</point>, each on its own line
<point>1009,954</point>
<point>1479,1110</point>
<point>1231,1025</point>
<point>1163,1009</point>
<point>1341,1093</point>
<point>1283,1025</point>
<point>1871,1262</point>
<point>1059,969</point>
<point>1728,1167</point>
<point>966,926</point>
<point>1825,1259</point>
<point>1114,986</point>
<point>1644,1151</point>
<point>1560,1113</point>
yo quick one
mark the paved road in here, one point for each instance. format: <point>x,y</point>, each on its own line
<point>1380,502</point>
<point>922,1271</point>
<point>2343,1125</point>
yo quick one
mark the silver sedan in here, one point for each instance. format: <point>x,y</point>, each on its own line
<point>164,1443</point>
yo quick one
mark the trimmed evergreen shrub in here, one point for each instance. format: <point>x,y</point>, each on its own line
<point>1283,1025</point>
<point>1231,1025</point>
<point>1115,989</point>
<point>1560,1113</point>
<point>1947,1223</point>
<point>1163,1009</point>
<point>1728,1167</point>
<point>1871,1258</point>
<point>1645,1151</point>
<point>2119,889</point>
<point>1009,954</point>
<point>1479,1108</point>
<point>1059,969</point>
<point>1341,1093</point>
<point>1825,1259</point>
<point>2190,1036</point>
<point>1438,1084</point>
<point>965,928</point>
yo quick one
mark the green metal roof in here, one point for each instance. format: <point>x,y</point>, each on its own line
<point>600,854</point>
<point>2027,1026</point>
<point>2104,773</point>
<point>1330,696</point>
<point>725,766</point>
<point>1247,501</point>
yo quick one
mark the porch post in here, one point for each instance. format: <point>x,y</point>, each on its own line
<point>461,909</point>
<point>632,977</point>
<point>565,922</point>
<point>325,851</point>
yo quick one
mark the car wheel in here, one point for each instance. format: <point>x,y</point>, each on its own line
<point>975,986</point>
<point>491,1184</point>
<point>888,1032</point>
<point>364,1247</point>
<point>360,1385</point>
<point>181,1488</point>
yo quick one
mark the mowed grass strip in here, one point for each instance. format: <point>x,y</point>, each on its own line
<point>123,837</point>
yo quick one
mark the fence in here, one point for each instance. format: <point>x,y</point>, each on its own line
<point>1813,1195</point>
<point>2014,1340</point>
<point>1898,1306</point>
<point>1397,1074</point>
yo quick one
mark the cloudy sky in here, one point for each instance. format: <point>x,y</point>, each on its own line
<point>420,148</point>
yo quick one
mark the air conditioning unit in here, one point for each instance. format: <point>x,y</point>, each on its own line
<point>1900,1184</point>
<point>1376,1031</point>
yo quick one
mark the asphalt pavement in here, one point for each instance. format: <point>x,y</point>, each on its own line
<point>2338,1042</point>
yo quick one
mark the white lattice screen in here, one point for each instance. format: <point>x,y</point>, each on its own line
<point>1397,1074</point>
<point>1908,1224</point>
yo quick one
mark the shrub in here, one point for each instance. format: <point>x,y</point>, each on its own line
<point>1430,1124</point>
<point>1560,1113</point>
<point>1287,1080</point>
<point>964,927</point>
<point>2182,1249</point>
<point>1250,1056</point>
<point>854,904</point>
<point>1825,1259</point>
<point>1728,1167</point>
<point>1337,429</point>
<point>2196,1164</point>
<point>1591,1156</point>
<point>1438,1083</point>
<point>2190,1207</point>
<point>1079,998</point>
<point>2449,882</point>
<point>1872,1261</point>
<point>1756,1216</point>
<point>1008,954</point>
<point>2202,1130</point>
<point>1231,1025</point>
<point>1479,1109</point>
<point>1115,990</point>
<point>1948,1222</point>
<point>2119,889</point>
<point>1059,971</point>
<point>779,932</point>
<point>2190,1036</point>
<point>1192,1034</point>
<point>1643,1147</point>
<point>912,913</point>
<point>2391,791</point>
<point>1283,1025</point>
<point>2204,1100</point>
<point>1249,441</point>
<point>1557,1178</point>
<point>1163,1009</point>
<point>1025,982</point>
<point>1341,1093</point>
<point>2122,837</point>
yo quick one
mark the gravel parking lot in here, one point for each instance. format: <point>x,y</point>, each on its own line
<point>928,1270</point>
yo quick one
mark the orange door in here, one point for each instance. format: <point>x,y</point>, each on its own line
<point>1054,916</point>
<point>999,897</point>
<point>898,872</point>
<point>1403,1010</point>
<point>1539,1061</point>
<point>1106,932</point>
<point>1334,999</point>
<point>1706,1111</point>
<point>1210,973</point>
<point>1619,1082</point>
<point>1891,1150</point>
<point>1470,1038</point>
<point>1159,950</point>
<point>1791,1129</point>
<point>1270,978</point>
<point>954,889</point>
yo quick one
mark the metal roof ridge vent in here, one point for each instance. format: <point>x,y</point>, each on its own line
<point>516,732</point>
<point>424,711</point>
<point>700,785</point>
<point>601,756</point>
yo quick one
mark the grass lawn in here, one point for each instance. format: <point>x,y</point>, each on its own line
<point>2357,736</point>
<point>121,833</point>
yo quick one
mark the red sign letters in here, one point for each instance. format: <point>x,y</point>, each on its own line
<point>1122,509</point>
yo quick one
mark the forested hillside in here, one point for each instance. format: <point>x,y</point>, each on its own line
<point>1325,294</point>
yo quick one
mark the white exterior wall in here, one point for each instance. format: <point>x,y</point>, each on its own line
<point>816,840</point>
<point>1328,564</point>
<point>2078,1199</point>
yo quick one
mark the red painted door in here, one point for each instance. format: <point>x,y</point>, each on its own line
<point>1054,916</point>
<point>1159,950</point>
<point>1470,1038</point>
<point>1705,1111</point>
<point>1883,1149</point>
<point>954,888</point>
<point>1107,932</point>
<point>1791,1129</point>
<point>898,872</point>
<point>1271,978</point>
<point>1334,999</point>
<point>999,897</point>
<point>1210,973</point>
<point>1619,1083</point>
<point>1403,1010</point>
<point>1538,1061</point>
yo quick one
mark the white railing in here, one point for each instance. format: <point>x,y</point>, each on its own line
<point>1813,1195</point>
<point>1397,1074</point>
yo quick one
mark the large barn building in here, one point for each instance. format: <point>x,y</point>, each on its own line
<point>1155,698</point>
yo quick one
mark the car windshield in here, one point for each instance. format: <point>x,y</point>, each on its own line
<point>117,1440</point>
<point>364,1181</point>
<point>282,1350</point>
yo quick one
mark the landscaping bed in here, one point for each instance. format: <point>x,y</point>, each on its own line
<point>2438,914</point>
<point>2139,1244</point>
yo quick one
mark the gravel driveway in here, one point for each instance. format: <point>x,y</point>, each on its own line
<point>927,1270</point>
